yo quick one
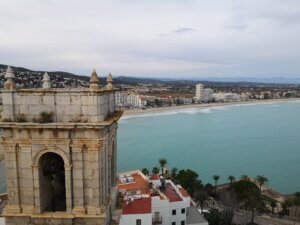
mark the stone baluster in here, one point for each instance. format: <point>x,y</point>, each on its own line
<point>46,81</point>
<point>94,81</point>
<point>9,76</point>
<point>109,80</point>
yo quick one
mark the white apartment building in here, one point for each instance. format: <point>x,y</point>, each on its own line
<point>153,200</point>
<point>226,97</point>
<point>199,91</point>
<point>207,95</point>
<point>203,94</point>
<point>125,99</point>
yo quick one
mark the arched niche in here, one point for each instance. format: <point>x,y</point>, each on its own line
<point>52,183</point>
<point>52,175</point>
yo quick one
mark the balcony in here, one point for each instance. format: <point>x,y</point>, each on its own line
<point>157,220</point>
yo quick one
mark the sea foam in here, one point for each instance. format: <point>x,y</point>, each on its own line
<point>205,110</point>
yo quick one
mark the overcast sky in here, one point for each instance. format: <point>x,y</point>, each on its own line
<point>157,38</point>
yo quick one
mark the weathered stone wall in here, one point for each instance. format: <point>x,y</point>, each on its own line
<point>89,177</point>
<point>66,105</point>
<point>57,221</point>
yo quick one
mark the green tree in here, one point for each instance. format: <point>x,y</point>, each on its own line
<point>216,178</point>
<point>155,170</point>
<point>231,179</point>
<point>214,217</point>
<point>244,177</point>
<point>273,205</point>
<point>261,180</point>
<point>189,180</point>
<point>249,194</point>
<point>162,162</point>
<point>209,189</point>
<point>286,206</point>
<point>145,171</point>
<point>201,197</point>
<point>297,198</point>
<point>174,171</point>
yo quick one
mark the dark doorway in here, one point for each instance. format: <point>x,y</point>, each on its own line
<point>52,183</point>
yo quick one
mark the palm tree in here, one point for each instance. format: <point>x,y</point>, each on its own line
<point>286,206</point>
<point>174,171</point>
<point>231,179</point>
<point>216,178</point>
<point>155,170</point>
<point>201,197</point>
<point>145,171</point>
<point>244,177</point>
<point>273,205</point>
<point>297,198</point>
<point>261,180</point>
<point>162,162</point>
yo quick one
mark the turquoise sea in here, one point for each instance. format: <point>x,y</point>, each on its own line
<point>254,139</point>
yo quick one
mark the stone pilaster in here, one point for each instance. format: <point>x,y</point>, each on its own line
<point>78,178</point>
<point>11,162</point>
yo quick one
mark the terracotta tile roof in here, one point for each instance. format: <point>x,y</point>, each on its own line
<point>184,192</point>
<point>154,177</point>
<point>138,206</point>
<point>139,184</point>
<point>171,194</point>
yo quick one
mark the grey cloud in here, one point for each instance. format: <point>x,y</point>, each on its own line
<point>212,37</point>
<point>184,30</point>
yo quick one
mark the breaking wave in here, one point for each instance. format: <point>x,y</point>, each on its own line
<point>198,110</point>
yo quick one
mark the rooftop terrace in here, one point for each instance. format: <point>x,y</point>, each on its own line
<point>137,206</point>
<point>138,183</point>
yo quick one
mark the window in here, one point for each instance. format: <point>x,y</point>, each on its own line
<point>173,223</point>
<point>174,212</point>
<point>156,216</point>
<point>182,222</point>
<point>183,211</point>
<point>138,222</point>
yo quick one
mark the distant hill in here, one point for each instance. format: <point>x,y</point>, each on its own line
<point>268,80</point>
<point>26,78</point>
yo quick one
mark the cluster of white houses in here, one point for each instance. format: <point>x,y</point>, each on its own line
<point>132,100</point>
<point>149,200</point>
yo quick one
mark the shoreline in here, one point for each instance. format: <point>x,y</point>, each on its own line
<point>133,112</point>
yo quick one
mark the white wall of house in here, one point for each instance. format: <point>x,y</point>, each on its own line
<point>178,206</point>
<point>130,219</point>
<point>163,207</point>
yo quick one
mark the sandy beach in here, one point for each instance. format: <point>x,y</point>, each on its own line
<point>202,106</point>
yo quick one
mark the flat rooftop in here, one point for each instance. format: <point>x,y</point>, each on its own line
<point>137,206</point>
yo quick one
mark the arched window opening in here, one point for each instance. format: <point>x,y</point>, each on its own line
<point>52,183</point>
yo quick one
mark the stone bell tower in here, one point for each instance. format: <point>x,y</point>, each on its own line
<point>60,153</point>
